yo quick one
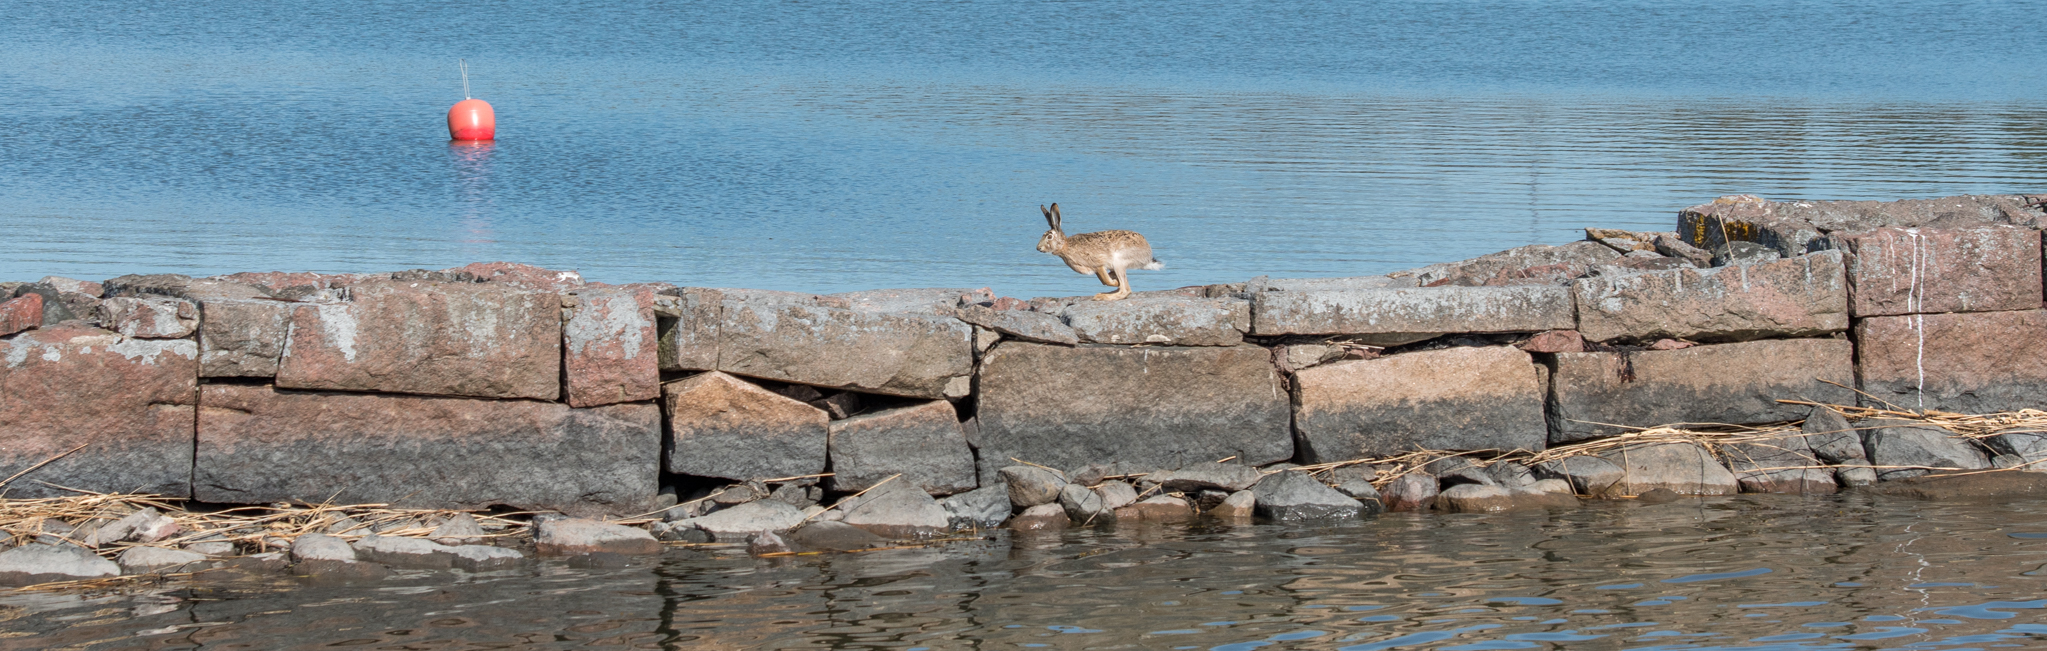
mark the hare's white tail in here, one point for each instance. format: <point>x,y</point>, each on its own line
<point>1154,265</point>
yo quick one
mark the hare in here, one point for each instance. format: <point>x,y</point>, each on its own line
<point>1106,254</point>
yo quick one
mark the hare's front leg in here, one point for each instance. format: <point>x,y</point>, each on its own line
<point>1122,285</point>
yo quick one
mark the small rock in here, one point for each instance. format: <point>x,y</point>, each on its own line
<point>1907,443</point>
<point>797,496</point>
<point>1414,491</point>
<point>321,547</point>
<point>143,560</point>
<point>1587,475</point>
<point>984,507</point>
<point>1677,248</point>
<point>1555,341</point>
<point>1302,356</point>
<point>835,536</point>
<point>1658,496</point>
<point>1116,494</point>
<point>36,563</point>
<point>1239,506</point>
<point>1209,499</point>
<point>343,525</point>
<point>766,542</point>
<point>1743,253</point>
<point>1348,474</point>
<point>2007,461</point>
<point>1161,508</point>
<point>741,493</point>
<point>687,510</point>
<point>403,552</point>
<point>1465,475</point>
<point>679,532</point>
<point>1087,475</point>
<point>1556,486</point>
<point>1671,344</point>
<point>1040,517</point>
<point>897,510</point>
<point>1031,486</point>
<point>1294,496</point>
<point>1474,498</point>
<point>1446,464</point>
<point>1226,477</point>
<point>1508,474</point>
<point>1364,492</point>
<point>144,526</point>
<point>574,536</point>
<point>211,548</point>
<point>1831,438</point>
<point>1854,476</point>
<point>485,558</point>
<point>1684,468</point>
<point>740,522</point>
<point>1083,506</point>
<point>800,392</point>
<point>840,406</point>
<point>458,530</point>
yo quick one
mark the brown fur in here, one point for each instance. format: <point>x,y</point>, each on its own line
<point>1106,254</point>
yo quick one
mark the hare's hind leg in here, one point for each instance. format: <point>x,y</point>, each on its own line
<point>1122,286</point>
<point>1104,274</point>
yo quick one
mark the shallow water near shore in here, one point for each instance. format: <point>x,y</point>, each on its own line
<point>1747,572</point>
<point>842,146</point>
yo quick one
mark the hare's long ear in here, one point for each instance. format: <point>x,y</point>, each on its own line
<point>1056,218</point>
<point>1049,221</point>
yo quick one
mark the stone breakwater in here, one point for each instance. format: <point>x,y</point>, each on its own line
<point>504,385</point>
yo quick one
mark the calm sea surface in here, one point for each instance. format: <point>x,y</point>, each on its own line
<point>1751,572</point>
<point>832,146</point>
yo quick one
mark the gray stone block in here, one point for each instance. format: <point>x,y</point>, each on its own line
<point>1026,325</point>
<point>260,445</point>
<point>1464,398</point>
<point>1065,407</point>
<point>1161,319</point>
<point>723,426</point>
<point>1805,296</point>
<point>1404,315</point>
<point>922,442</point>
<point>1597,394</point>
<point>241,338</point>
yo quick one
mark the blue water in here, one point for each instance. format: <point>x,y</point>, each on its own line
<point>830,146</point>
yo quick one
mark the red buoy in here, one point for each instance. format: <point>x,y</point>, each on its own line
<point>472,119</point>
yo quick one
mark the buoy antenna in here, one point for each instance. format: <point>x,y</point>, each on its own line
<point>465,77</point>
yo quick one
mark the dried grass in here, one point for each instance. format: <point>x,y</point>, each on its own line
<point>248,527</point>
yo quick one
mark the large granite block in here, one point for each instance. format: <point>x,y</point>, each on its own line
<point>242,337</point>
<point>1139,408</point>
<point>1794,228</point>
<point>455,339</point>
<point>260,445</point>
<point>1797,297</point>
<point>807,343</point>
<point>1594,394</point>
<point>1930,270</point>
<point>1971,363</point>
<point>723,426</point>
<point>610,347</point>
<point>1401,315</point>
<point>127,401</point>
<point>923,442</point>
<point>1450,399</point>
<point>1161,319</point>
